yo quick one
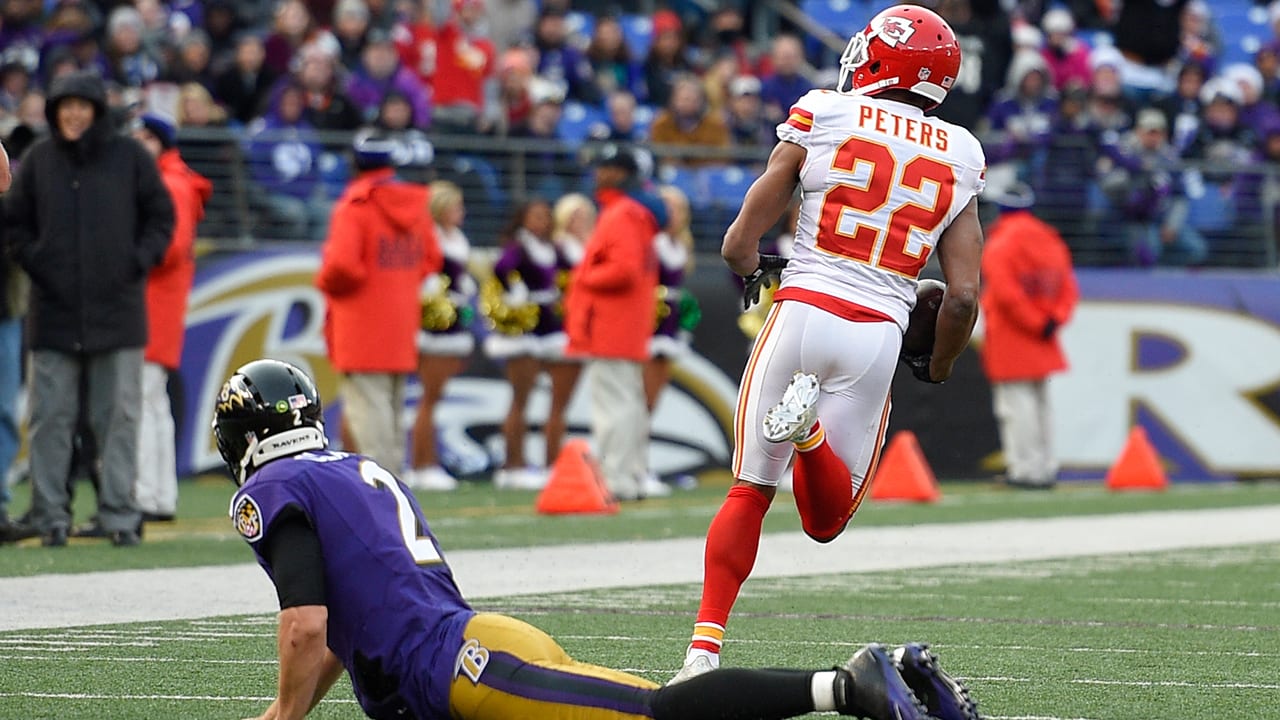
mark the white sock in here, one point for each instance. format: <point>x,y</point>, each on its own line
<point>823,688</point>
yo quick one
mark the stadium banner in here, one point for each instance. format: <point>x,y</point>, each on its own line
<point>1191,357</point>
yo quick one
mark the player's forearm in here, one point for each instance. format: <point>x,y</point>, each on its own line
<point>760,210</point>
<point>956,317</point>
<point>303,660</point>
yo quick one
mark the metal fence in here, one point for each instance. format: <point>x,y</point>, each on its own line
<point>280,185</point>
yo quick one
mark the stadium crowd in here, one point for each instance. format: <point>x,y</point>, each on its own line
<point>1057,92</point>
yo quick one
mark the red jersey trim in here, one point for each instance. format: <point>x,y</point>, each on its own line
<point>800,119</point>
<point>852,312</point>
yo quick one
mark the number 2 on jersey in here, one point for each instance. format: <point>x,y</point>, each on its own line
<point>883,247</point>
<point>421,547</point>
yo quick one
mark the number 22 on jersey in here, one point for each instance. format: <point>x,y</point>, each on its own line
<point>421,547</point>
<point>883,247</point>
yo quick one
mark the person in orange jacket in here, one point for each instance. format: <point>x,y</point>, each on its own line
<point>381,246</point>
<point>609,319</point>
<point>1028,293</point>
<point>168,285</point>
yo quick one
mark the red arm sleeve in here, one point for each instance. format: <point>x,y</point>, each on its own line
<point>614,264</point>
<point>342,267</point>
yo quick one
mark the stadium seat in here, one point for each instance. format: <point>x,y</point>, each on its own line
<point>843,17</point>
<point>578,120</point>
<point>644,115</point>
<point>726,185</point>
<point>687,181</point>
<point>637,30</point>
<point>581,24</point>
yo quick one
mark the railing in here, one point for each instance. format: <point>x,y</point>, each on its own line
<point>280,186</point>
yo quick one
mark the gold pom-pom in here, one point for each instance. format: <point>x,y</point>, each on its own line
<point>438,311</point>
<point>504,318</point>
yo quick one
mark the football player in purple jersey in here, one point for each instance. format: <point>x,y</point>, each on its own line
<point>365,589</point>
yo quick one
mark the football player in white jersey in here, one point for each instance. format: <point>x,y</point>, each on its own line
<point>883,186</point>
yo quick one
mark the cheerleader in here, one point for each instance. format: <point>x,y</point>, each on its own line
<point>445,340</point>
<point>522,302</point>
<point>677,309</point>
<point>574,217</point>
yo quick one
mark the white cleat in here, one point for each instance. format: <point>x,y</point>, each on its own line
<point>519,479</point>
<point>433,477</point>
<point>693,667</point>
<point>653,487</point>
<point>793,417</point>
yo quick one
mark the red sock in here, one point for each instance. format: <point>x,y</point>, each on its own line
<point>823,488</point>
<point>732,542</point>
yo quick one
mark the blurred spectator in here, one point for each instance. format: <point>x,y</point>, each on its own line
<point>672,334</point>
<point>561,62</point>
<point>20,31</point>
<point>784,85</point>
<point>1063,181</point>
<point>156,487</point>
<point>284,161</point>
<point>327,107</point>
<point>157,36</point>
<point>1222,139</point>
<point>1201,41</point>
<point>985,38</point>
<point>350,23</point>
<point>610,58</point>
<point>687,122</point>
<point>747,124</point>
<point>414,152</point>
<point>1028,294</point>
<point>549,169</point>
<point>610,311</point>
<point>1267,60</point>
<point>1148,33</point>
<point>130,63</point>
<point>726,35</point>
<point>515,74</point>
<point>291,29</point>
<point>1182,108</point>
<point>244,86</point>
<point>621,122</point>
<point>464,65</point>
<point>1255,113</point>
<point>86,323</point>
<point>15,82</point>
<point>222,25</point>
<point>1109,107</point>
<point>191,65</point>
<point>71,28</point>
<point>380,248</point>
<point>196,108</point>
<point>1021,117</point>
<point>1149,186</point>
<point>1027,37</point>
<point>415,38</point>
<point>379,73</point>
<point>1068,57</point>
<point>715,83</point>
<point>13,301</point>
<point>528,328</point>
<point>666,60</point>
<point>31,126</point>
<point>445,338</point>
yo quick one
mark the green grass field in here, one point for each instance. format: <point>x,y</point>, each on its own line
<point>1184,635</point>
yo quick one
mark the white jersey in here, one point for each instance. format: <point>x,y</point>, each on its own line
<point>880,184</point>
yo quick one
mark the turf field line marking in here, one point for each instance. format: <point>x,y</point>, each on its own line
<point>869,617</point>
<point>27,641</point>
<point>151,635</point>
<point>1135,683</point>
<point>109,658</point>
<point>1095,599</point>
<point>1028,717</point>
<point>935,645</point>
<point>195,698</point>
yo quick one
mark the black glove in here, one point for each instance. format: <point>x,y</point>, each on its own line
<point>1050,328</point>
<point>766,273</point>
<point>919,365</point>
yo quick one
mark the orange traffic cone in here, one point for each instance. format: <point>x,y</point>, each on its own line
<point>903,473</point>
<point>575,484</point>
<point>1138,467</point>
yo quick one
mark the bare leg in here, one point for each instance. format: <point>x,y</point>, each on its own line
<point>433,372</point>
<point>657,373</point>
<point>564,378</point>
<point>522,373</point>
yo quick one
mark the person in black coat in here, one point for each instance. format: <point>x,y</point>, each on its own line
<point>87,218</point>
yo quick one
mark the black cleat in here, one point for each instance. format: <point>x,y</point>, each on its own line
<point>875,689</point>
<point>944,696</point>
<point>55,537</point>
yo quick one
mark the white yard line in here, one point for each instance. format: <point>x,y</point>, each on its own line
<point>47,601</point>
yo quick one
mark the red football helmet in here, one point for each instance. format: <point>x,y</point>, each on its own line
<point>906,47</point>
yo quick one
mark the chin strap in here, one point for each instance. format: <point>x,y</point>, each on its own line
<point>289,442</point>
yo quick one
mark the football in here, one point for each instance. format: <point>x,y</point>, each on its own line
<point>918,339</point>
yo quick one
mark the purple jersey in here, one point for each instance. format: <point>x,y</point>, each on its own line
<point>391,596</point>
<point>537,263</point>
<point>673,259</point>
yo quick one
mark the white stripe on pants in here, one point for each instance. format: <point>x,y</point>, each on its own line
<point>373,407</point>
<point>619,423</point>
<point>156,489</point>
<point>1026,432</point>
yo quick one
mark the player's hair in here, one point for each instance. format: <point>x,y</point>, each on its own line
<point>518,218</point>
<point>444,195</point>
